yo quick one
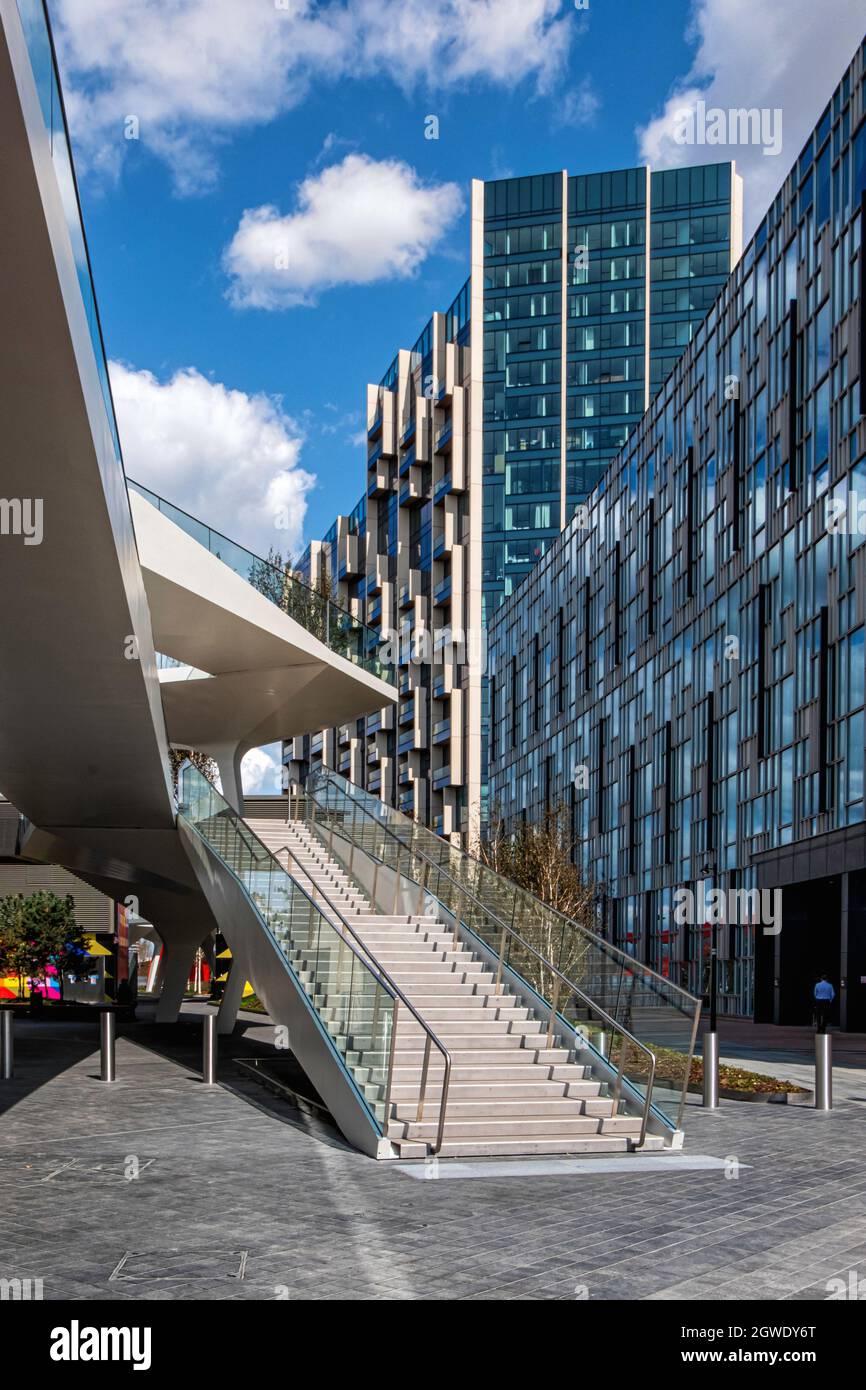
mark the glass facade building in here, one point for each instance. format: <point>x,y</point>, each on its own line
<point>487,432</point>
<point>683,669</point>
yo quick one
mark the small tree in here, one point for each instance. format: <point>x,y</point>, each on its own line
<point>539,859</point>
<point>13,937</point>
<point>272,577</point>
<point>40,932</point>
<point>205,764</point>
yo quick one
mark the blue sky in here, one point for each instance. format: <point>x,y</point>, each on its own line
<point>244,105</point>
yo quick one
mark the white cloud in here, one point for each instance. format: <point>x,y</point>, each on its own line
<point>355,222</point>
<point>261,771</point>
<point>579,106</point>
<point>194,71</point>
<point>785,54</point>
<point>229,458</point>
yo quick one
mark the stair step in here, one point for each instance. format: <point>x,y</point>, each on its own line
<point>486,1127</point>
<point>505,1091</point>
<point>406,1058</point>
<point>509,1094</point>
<point>505,1111</point>
<point>504,1148</point>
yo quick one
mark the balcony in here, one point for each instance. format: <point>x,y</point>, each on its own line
<point>404,595</point>
<point>412,491</point>
<point>440,692</point>
<point>442,592</point>
<point>442,488</point>
<point>407,462</point>
<point>375,454</point>
<point>407,712</point>
<point>408,433</point>
<point>442,731</point>
<point>406,741</point>
<point>376,426</point>
<point>443,439</point>
<point>379,482</point>
<point>441,777</point>
<point>349,556</point>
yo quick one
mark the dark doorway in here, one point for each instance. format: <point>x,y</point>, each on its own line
<point>856,967</point>
<point>809,946</point>
<point>765,976</point>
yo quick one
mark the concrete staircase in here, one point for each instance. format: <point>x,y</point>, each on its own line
<point>510,1093</point>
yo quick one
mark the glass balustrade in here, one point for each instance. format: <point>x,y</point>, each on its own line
<point>619,1004</point>
<point>351,1002</point>
<point>318,614</point>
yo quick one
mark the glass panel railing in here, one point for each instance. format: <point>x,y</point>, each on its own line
<point>352,1004</point>
<point>36,28</point>
<point>318,614</point>
<point>599,986</point>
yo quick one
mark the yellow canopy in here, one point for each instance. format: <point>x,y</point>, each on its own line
<point>94,948</point>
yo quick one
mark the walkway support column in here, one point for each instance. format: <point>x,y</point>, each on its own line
<point>232,994</point>
<point>177,962</point>
<point>228,757</point>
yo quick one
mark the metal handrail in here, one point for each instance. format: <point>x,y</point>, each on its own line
<point>366,960</point>
<point>391,988</point>
<point>561,977</point>
<point>608,947</point>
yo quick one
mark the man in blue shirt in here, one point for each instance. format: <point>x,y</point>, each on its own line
<point>824,996</point>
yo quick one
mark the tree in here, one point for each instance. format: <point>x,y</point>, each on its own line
<point>272,576</point>
<point>12,937</point>
<point>313,606</point>
<point>40,932</point>
<point>205,764</point>
<point>539,859</point>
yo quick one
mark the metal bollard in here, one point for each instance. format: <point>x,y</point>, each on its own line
<point>209,1050</point>
<point>710,1050</point>
<point>823,1071</point>
<point>106,1046</point>
<point>6,1056</point>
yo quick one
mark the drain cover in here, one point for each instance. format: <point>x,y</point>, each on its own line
<point>149,1266</point>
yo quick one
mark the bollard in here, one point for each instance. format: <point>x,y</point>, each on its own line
<point>823,1071</point>
<point>6,1066</point>
<point>106,1046</point>
<point>209,1050</point>
<point>710,1050</point>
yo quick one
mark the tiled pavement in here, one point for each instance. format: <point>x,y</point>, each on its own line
<point>239,1196</point>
